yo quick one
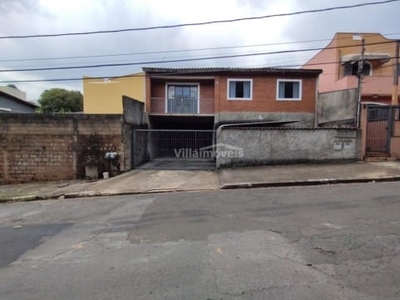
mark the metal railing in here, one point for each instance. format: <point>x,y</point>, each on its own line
<point>182,106</point>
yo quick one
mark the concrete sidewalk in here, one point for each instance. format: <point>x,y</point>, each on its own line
<point>308,174</point>
<point>153,181</point>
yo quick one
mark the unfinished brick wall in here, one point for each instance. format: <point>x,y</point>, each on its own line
<point>49,147</point>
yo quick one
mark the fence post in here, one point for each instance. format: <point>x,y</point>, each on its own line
<point>133,140</point>
<point>390,127</point>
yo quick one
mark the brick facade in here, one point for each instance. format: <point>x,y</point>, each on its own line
<point>264,95</point>
<point>50,147</point>
<point>214,85</point>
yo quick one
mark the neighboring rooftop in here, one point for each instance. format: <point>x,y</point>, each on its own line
<point>13,91</point>
<point>15,94</point>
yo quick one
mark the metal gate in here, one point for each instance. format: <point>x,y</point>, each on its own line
<point>379,130</point>
<point>173,145</point>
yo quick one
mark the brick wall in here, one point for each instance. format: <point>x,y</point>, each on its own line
<point>264,96</point>
<point>264,93</point>
<point>36,147</point>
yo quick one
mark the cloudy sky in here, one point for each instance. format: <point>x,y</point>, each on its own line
<point>36,17</point>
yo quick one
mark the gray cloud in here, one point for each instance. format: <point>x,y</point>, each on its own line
<point>8,7</point>
<point>31,17</point>
<point>379,18</point>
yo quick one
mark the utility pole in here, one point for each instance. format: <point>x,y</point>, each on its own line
<point>395,94</point>
<point>359,86</point>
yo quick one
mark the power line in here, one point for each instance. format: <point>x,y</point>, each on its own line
<point>198,23</point>
<point>179,60</point>
<point>163,51</point>
<point>177,51</point>
<point>155,61</point>
<point>165,74</point>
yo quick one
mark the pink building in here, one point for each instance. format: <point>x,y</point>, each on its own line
<point>339,62</point>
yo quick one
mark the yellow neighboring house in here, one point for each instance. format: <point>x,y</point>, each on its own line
<point>104,95</point>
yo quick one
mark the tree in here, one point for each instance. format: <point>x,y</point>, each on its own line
<point>60,101</point>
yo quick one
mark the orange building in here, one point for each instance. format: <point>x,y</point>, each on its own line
<point>104,95</point>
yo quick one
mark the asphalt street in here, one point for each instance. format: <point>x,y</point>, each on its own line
<point>327,242</point>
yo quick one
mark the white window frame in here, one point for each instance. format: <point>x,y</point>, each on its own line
<point>289,80</point>
<point>238,80</point>
<point>182,83</point>
<point>370,67</point>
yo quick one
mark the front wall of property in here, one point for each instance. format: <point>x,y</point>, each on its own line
<point>264,96</point>
<point>276,146</point>
<point>49,147</point>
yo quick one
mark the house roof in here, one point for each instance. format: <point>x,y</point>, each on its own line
<point>18,99</point>
<point>191,71</point>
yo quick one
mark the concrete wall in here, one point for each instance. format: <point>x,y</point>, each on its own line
<point>286,145</point>
<point>303,119</point>
<point>134,118</point>
<point>51,147</point>
<point>142,148</point>
<point>15,105</point>
<point>104,96</point>
<point>336,106</point>
<point>133,111</point>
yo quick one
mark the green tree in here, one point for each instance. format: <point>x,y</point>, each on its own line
<point>60,101</point>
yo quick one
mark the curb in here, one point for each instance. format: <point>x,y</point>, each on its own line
<point>90,194</point>
<point>27,198</point>
<point>308,182</point>
<point>227,186</point>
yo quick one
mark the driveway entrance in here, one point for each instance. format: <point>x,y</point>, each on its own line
<point>172,149</point>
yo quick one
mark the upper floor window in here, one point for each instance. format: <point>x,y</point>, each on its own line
<point>351,69</point>
<point>240,89</point>
<point>182,98</point>
<point>288,89</point>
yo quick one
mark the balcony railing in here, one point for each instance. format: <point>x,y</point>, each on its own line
<point>190,106</point>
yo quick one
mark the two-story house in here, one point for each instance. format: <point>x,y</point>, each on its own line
<point>204,98</point>
<point>340,60</point>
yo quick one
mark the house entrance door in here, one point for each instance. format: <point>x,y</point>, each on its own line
<point>379,130</point>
